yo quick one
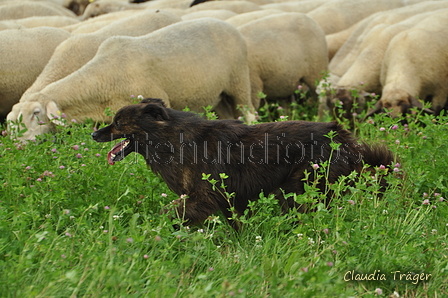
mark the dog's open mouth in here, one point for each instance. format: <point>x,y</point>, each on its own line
<point>120,151</point>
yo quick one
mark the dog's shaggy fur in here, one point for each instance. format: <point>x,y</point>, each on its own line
<point>268,157</point>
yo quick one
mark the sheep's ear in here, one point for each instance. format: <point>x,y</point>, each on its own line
<point>53,113</point>
<point>155,111</point>
<point>157,101</point>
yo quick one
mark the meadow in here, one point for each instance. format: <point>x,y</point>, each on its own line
<point>73,226</point>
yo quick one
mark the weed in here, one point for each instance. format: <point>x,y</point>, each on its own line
<point>73,226</point>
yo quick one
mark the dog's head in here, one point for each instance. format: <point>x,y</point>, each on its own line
<point>133,123</point>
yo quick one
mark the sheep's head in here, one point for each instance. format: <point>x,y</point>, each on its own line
<point>77,6</point>
<point>31,118</point>
<point>351,100</point>
<point>397,102</point>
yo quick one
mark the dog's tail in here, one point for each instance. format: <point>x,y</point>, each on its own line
<point>377,154</point>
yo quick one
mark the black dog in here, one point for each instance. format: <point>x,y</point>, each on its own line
<point>269,157</point>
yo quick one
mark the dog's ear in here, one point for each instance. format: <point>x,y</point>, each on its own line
<point>156,111</point>
<point>157,101</point>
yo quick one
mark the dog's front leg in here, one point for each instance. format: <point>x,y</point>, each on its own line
<point>190,210</point>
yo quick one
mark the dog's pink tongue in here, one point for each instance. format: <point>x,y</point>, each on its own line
<point>115,149</point>
<point>109,158</point>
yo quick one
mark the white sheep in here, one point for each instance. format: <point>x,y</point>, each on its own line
<point>295,6</point>
<point>336,40</point>
<point>104,7</point>
<point>185,64</point>
<point>77,6</point>
<point>415,67</point>
<point>24,52</point>
<point>284,50</point>
<point>24,9</point>
<point>363,74</point>
<point>50,21</point>
<point>10,24</point>
<point>258,2</point>
<point>95,9</point>
<point>94,24</point>
<point>79,49</point>
<point>221,14</point>
<point>237,6</point>
<point>350,50</point>
<point>165,4</point>
<point>244,18</point>
<point>338,15</point>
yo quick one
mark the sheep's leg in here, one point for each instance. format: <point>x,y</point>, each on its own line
<point>241,96</point>
<point>311,83</point>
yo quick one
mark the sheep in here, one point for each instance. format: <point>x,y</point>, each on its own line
<point>10,24</point>
<point>57,2</point>
<point>336,40</point>
<point>94,24</point>
<point>103,7</point>
<point>295,6</point>
<point>77,6</point>
<point>284,50</point>
<point>350,50</point>
<point>221,14</point>
<point>165,4</point>
<point>237,6</point>
<point>244,18</point>
<point>50,21</point>
<point>185,64</point>
<point>363,75</point>
<point>24,9</point>
<point>79,49</point>
<point>415,66</point>
<point>258,2</point>
<point>24,52</point>
<point>337,15</point>
<point>261,2</point>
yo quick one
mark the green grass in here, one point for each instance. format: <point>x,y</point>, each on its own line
<point>88,229</point>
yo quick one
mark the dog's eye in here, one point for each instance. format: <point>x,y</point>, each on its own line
<point>117,123</point>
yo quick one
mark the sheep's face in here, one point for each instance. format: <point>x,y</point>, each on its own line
<point>29,119</point>
<point>397,107</point>
<point>350,100</point>
<point>398,102</point>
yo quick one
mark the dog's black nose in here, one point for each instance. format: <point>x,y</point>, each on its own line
<point>93,134</point>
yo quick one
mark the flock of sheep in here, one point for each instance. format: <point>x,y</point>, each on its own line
<point>75,58</point>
